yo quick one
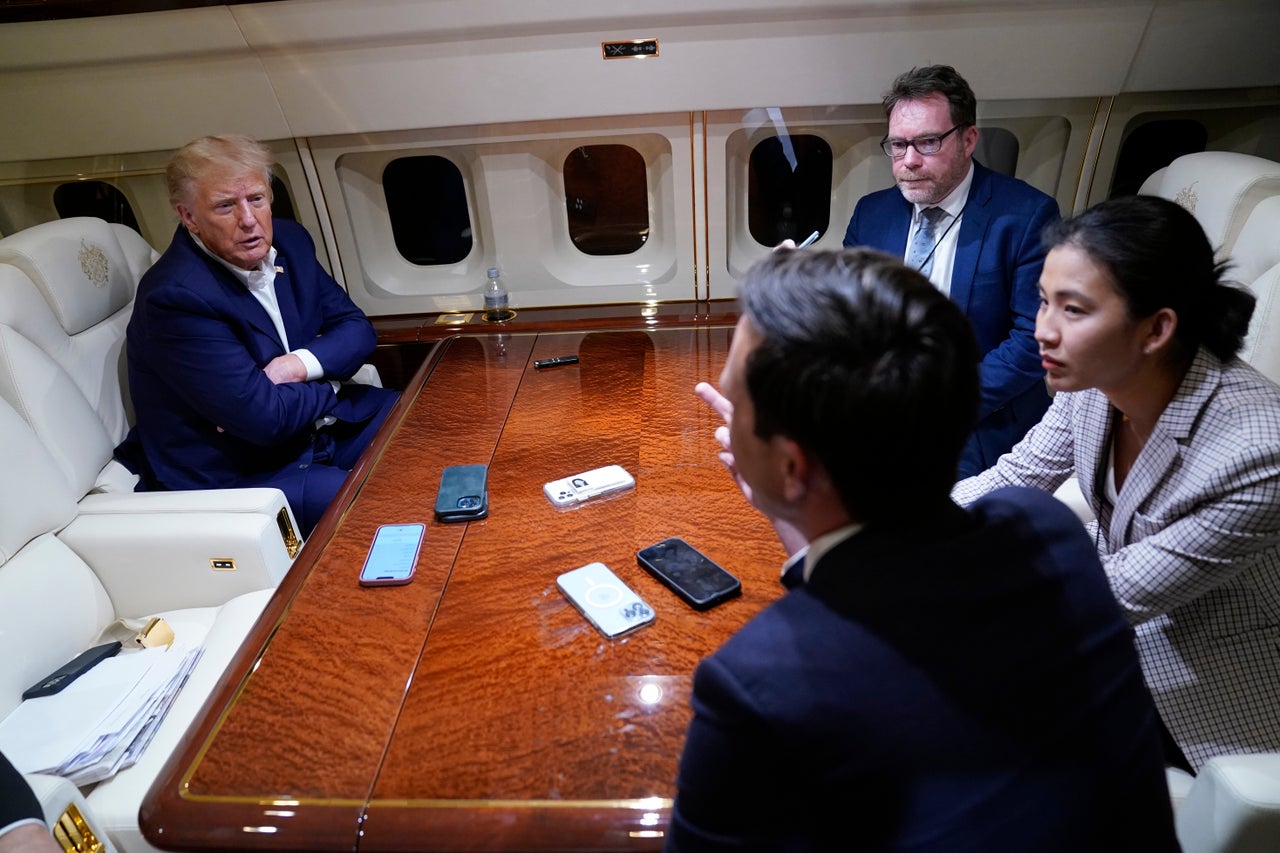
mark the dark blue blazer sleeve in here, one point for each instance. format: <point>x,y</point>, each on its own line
<point>330,325</point>
<point>996,280</point>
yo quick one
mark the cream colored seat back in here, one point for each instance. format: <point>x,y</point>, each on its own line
<point>53,404</point>
<point>1220,187</point>
<point>1256,264</point>
<point>68,287</point>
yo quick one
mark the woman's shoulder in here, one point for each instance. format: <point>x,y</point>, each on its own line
<point>1231,404</point>
<point>1245,394</point>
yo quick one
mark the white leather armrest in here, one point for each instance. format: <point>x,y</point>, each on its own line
<point>167,560</point>
<point>67,813</point>
<point>367,375</point>
<point>264,501</point>
<point>1233,806</point>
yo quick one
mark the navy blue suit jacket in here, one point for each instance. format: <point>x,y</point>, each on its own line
<point>17,802</point>
<point>197,343</point>
<point>967,684</point>
<point>995,280</point>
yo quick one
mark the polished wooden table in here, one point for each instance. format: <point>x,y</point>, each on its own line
<point>475,708</point>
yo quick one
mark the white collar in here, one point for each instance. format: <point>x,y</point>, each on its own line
<point>818,548</point>
<point>252,279</point>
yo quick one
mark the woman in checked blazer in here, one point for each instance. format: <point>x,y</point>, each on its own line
<point>1176,445</point>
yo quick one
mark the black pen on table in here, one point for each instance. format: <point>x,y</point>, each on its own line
<point>555,362</point>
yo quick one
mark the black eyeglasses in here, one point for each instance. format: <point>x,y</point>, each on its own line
<point>897,148</point>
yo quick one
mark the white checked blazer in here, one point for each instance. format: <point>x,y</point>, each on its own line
<point>1192,546</point>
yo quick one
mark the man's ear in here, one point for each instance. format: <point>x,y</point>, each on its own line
<point>796,467</point>
<point>188,220</point>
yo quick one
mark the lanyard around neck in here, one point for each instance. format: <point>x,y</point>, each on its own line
<point>938,242</point>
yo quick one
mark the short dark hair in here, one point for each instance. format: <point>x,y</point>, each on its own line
<point>1157,256</point>
<point>867,366</point>
<point>930,80</point>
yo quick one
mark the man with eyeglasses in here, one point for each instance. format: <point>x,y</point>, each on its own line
<point>975,234</point>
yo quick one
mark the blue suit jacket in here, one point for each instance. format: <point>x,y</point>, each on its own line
<point>995,280</point>
<point>967,684</point>
<point>197,342</point>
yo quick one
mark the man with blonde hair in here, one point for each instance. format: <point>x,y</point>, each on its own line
<point>240,342</point>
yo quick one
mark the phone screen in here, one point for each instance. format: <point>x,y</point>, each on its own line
<point>689,573</point>
<point>393,555</point>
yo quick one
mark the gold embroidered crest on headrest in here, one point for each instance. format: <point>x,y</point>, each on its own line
<point>1187,197</point>
<point>93,261</point>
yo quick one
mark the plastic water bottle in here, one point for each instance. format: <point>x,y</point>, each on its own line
<point>495,297</point>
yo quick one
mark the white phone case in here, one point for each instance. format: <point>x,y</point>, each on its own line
<point>587,485</point>
<point>607,602</point>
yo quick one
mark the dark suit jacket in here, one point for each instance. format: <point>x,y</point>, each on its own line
<point>17,803</point>
<point>197,343</point>
<point>967,684</point>
<point>995,280</point>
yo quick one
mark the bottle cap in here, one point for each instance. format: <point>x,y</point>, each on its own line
<point>493,272</point>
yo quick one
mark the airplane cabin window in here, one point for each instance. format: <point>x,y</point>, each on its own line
<point>427,204</point>
<point>1152,146</point>
<point>281,203</point>
<point>607,199</point>
<point>94,198</point>
<point>788,188</point>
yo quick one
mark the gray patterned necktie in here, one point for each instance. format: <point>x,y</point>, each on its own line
<point>920,255</point>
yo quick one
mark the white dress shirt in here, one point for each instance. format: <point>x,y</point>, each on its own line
<point>818,548</point>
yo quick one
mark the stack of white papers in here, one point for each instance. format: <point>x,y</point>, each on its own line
<point>100,723</point>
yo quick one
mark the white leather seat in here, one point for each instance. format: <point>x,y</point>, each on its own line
<point>1233,806</point>
<point>1220,187</point>
<point>56,599</point>
<point>69,288</point>
<point>1256,264</point>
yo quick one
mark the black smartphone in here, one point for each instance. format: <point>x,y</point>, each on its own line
<point>61,677</point>
<point>464,493</point>
<point>688,573</point>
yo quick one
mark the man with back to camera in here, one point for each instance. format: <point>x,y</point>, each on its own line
<point>975,234</point>
<point>240,341</point>
<point>935,679</point>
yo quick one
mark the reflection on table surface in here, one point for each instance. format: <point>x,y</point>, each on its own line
<point>475,706</point>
